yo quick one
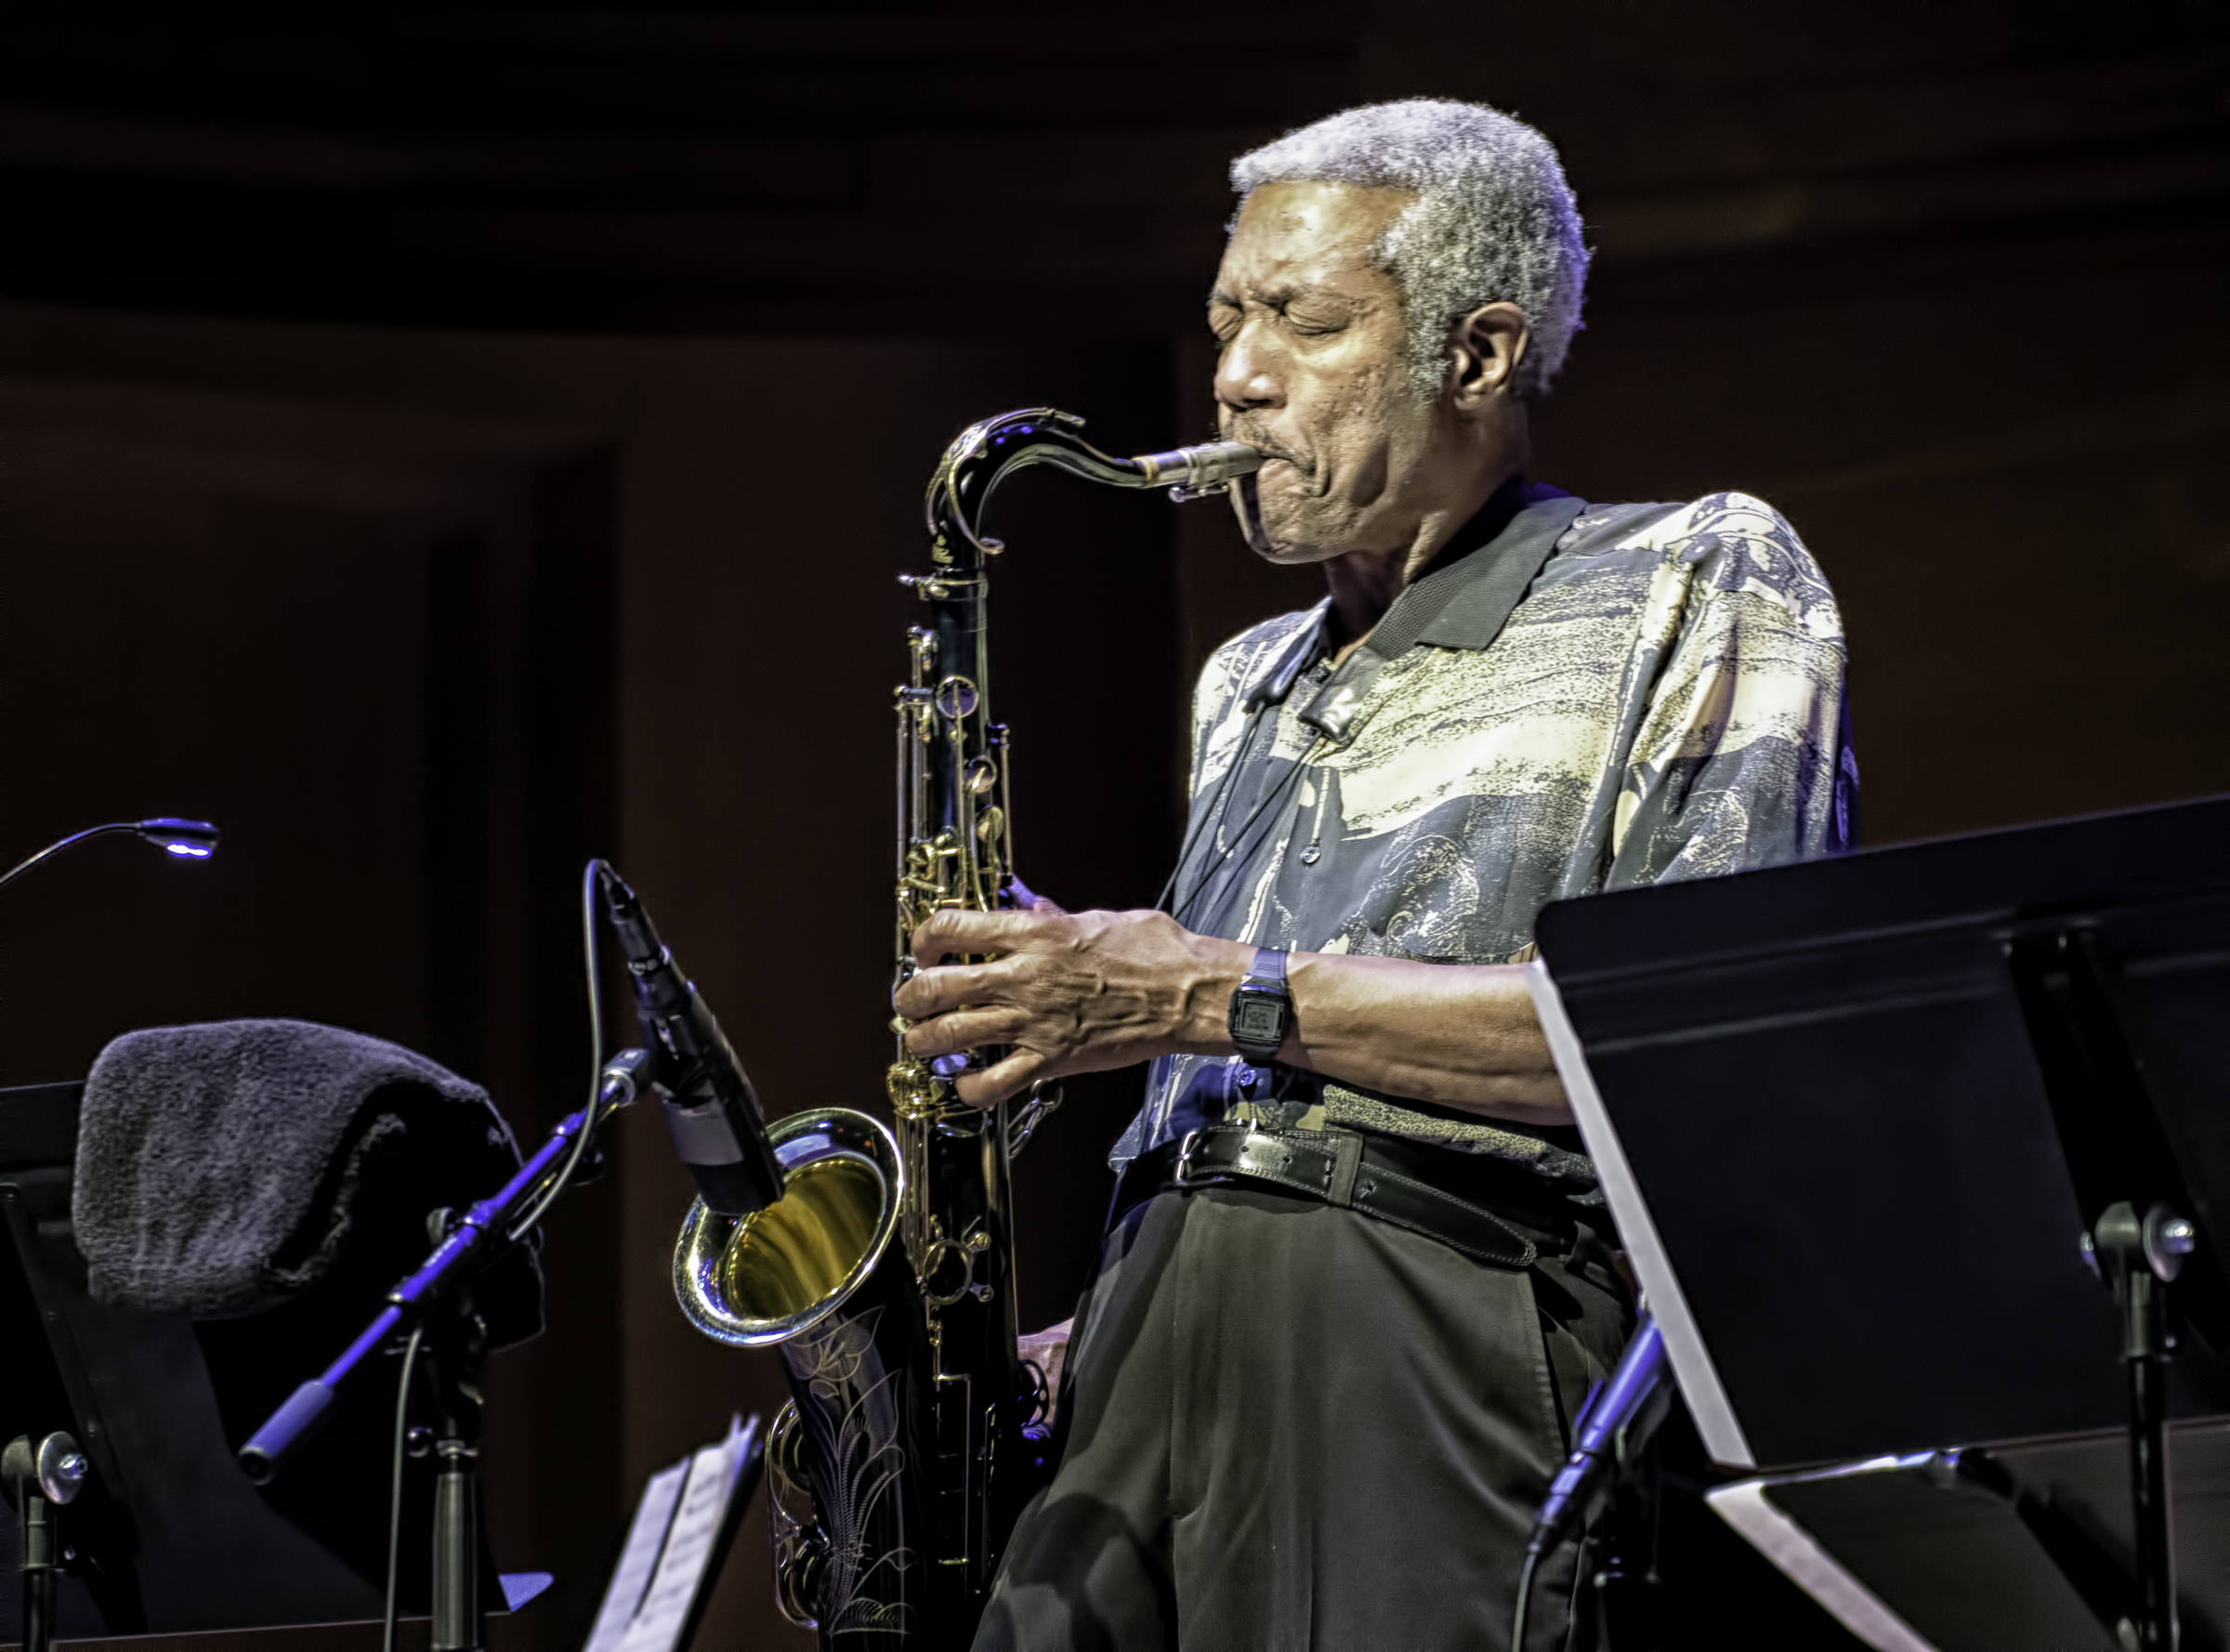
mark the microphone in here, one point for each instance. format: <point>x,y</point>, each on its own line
<point>1614,1426</point>
<point>710,1105</point>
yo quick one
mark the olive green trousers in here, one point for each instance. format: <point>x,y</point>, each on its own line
<point>1290,1426</point>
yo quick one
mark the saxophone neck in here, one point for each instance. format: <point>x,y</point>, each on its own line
<point>983,454</point>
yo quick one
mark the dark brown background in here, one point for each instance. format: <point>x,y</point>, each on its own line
<point>442,444</point>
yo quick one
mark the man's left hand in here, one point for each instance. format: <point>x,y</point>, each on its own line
<point>1066,992</point>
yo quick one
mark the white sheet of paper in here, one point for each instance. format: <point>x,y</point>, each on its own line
<point>657,1620</point>
<point>646,1537</point>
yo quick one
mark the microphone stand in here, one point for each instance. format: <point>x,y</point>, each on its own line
<point>438,1298</point>
<point>459,1345</point>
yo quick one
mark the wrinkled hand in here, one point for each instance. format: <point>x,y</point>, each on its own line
<point>1066,993</point>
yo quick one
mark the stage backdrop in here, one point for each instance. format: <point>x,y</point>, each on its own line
<point>443,446</point>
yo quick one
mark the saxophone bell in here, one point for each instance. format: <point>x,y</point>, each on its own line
<point>756,1280</point>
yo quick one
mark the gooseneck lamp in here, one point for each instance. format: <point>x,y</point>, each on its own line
<point>188,840</point>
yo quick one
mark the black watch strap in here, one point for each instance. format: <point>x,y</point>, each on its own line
<point>1262,1008</point>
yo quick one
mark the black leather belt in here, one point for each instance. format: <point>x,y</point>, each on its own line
<point>1342,1167</point>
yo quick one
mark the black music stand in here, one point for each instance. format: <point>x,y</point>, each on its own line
<point>1855,1118</point>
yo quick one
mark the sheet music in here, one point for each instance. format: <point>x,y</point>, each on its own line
<point>646,1537</point>
<point>670,1548</point>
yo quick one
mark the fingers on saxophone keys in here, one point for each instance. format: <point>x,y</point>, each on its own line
<point>958,930</point>
<point>960,1030</point>
<point>1002,1082</point>
<point>931,1039</point>
<point>935,990</point>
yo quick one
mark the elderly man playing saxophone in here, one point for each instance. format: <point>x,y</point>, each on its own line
<point>1359,1278</point>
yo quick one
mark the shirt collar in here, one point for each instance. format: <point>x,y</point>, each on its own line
<point>1465,600</point>
<point>1461,601</point>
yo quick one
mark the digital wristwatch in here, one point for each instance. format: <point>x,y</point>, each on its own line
<point>1262,1009</point>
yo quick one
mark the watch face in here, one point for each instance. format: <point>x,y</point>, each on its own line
<point>1258,1019</point>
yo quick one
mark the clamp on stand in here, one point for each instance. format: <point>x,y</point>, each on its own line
<point>41,1478</point>
<point>2138,1259</point>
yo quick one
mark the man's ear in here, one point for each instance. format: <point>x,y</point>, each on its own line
<point>1485,348</point>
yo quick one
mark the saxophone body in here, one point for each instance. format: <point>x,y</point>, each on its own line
<point>885,1273</point>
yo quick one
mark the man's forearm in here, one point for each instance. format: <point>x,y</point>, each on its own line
<point>1065,992</point>
<point>1461,1035</point>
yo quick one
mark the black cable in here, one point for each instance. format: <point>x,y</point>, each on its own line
<point>1524,1597</point>
<point>1239,842</point>
<point>519,1230</point>
<point>590,874</point>
<point>1272,691</point>
<point>1246,744</point>
<point>564,1177</point>
<point>1192,833</point>
<point>402,1414</point>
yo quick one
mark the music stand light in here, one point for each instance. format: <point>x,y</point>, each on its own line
<point>188,840</point>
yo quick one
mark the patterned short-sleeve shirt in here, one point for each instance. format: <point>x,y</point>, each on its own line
<point>1589,697</point>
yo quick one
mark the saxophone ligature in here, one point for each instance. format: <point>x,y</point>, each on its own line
<point>885,1273</point>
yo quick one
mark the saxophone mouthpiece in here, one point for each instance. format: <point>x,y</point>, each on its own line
<point>1194,472</point>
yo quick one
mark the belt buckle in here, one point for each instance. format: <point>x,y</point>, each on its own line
<point>1181,1176</point>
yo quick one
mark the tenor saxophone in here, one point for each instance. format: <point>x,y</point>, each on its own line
<point>915,1432</point>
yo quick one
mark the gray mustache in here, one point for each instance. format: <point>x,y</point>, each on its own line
<point>1270,450</point>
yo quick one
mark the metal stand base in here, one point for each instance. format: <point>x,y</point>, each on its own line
<point>40,1480</point>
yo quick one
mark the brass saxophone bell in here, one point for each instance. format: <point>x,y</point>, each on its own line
<point>775,1274</point>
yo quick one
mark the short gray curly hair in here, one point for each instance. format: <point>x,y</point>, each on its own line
<point>1493,219</point>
